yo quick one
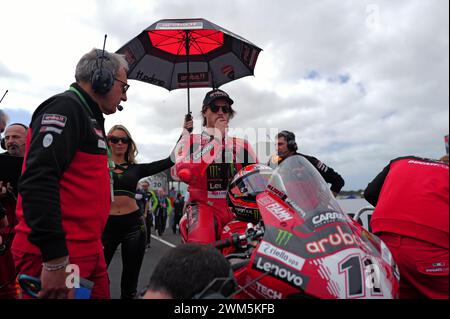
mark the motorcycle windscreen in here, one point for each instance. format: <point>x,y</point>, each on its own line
<point>297,180</point>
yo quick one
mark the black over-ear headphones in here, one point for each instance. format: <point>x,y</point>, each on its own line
<point>102,79</point>
<point>228,285</point>
<point>290,139</point>
<point>3,142</point>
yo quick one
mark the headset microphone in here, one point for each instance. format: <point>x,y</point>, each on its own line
<point>3,96</point>
<point>103,54</point>
<point>102,79</point>
<point>120,107</point>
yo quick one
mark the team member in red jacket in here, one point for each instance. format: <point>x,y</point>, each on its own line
<point>65,187</point>
<point>410,197</point>
<point>207,162</point>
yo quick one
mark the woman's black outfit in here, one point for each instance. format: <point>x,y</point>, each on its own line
<point>129,230</point>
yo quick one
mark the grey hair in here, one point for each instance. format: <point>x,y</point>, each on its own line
<point>91,62</point>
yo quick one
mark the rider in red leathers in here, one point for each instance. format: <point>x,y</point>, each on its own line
<point>207,162</point>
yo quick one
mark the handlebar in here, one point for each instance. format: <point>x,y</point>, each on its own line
<point>239,241</point>
<point>223,243</point>
<point>227,242</point>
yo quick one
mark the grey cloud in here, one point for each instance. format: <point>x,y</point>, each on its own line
<point>8,74</point>
<point>394,103</point>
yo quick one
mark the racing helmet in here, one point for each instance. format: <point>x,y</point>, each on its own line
<point>243,188</point>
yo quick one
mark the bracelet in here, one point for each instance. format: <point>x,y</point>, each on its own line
<point>55,267</point>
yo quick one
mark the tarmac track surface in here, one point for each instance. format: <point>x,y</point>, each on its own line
<point>159,246</point>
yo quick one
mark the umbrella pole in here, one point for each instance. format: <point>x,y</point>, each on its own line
<point>3,96</point>
<point>188,73</point>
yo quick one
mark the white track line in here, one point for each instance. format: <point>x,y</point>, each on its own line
<point>163,241</point>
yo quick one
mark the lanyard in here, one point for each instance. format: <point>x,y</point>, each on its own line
<point>111,164</point>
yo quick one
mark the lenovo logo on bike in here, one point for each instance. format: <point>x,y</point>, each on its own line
<point>329,217</point>
<point>281,255</point>
<point>279,212</point>
<point>333,240</point>
<point>276,270</point>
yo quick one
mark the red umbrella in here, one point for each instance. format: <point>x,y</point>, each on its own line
<point>185,53</point>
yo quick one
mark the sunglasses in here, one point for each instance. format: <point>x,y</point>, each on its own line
<point>215,108</point>
<point>125,86</point>
<point>116,140</point>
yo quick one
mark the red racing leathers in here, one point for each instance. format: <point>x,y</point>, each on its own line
<point>207,164</point>
<point>411,199</point>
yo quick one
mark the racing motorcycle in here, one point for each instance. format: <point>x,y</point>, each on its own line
<point>291,239</point>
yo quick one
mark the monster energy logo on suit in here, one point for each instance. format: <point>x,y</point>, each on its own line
<point>218,174</point>
<point>214,171</point>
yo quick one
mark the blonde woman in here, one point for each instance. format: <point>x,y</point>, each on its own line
<point>126,225</point>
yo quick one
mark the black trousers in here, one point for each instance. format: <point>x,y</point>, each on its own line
<point>128,231</point>
<point>160,220</point>
<point>149,225</point>
<point>176,220</point>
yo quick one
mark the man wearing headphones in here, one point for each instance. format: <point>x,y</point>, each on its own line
<point>14,140</point>
<point>286,146</point>
<point>65,188</point>
<point>14,143</point>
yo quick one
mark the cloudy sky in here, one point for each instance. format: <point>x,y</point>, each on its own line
<point>359,82</point>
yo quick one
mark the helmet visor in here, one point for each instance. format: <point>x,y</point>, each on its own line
<point>251,184</point>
